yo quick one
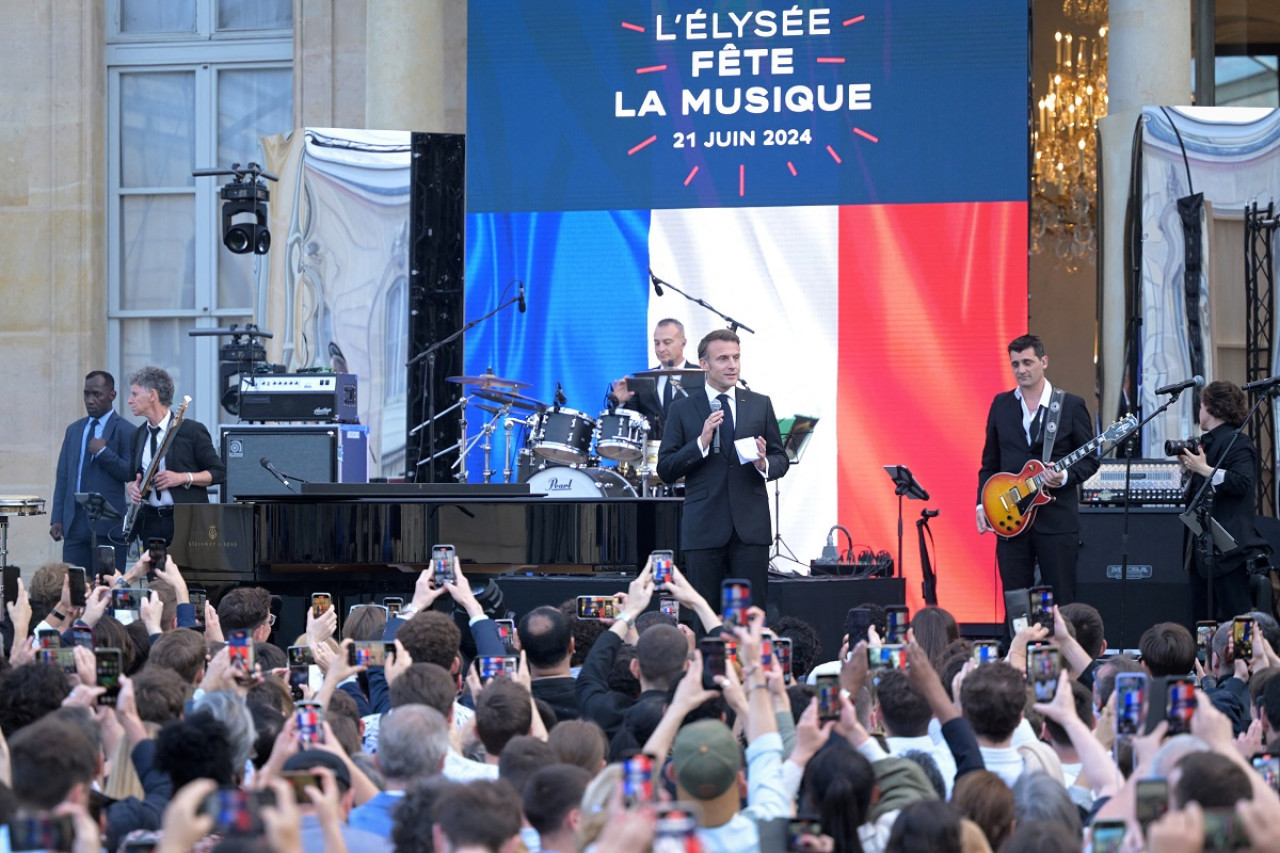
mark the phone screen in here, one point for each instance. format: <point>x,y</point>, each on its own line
<point>856,623</point>
<point>240,649</point>
<point>11,575</point>
<point>1131,693</point>
<point>1043,666</point>
<point>1242,637</point>
<point>105,560</point>
<point>1224,831</point>
<point>1180,704</point>
<point>597,607</point>
<point>669,606</point>
<point>310,717</point>
<point>637,780</point>
<point>985,653</point>
<point>158,551</point>
<point>394,605</point>
<point>1042,606</point>
<point>1107,835</point>
<point>713,661</point>
<point>892,656</point>
<point>1268,766</point>
<point>63,658</point>
<point>77,582</point>
<point>507,634</point>
<point>321,602</point>
<point>1204,639</point>
<point>491,666</point>
<point>54,832</point>
<point>126,604</point>
<point>108,669</point>
<point>1151,800</point>
<point>899,621</point>
<point>828,697</point>
<point>198,599</point>
<point>662,562</point>
<point>82,635</point>
<point>782,651</point>
<point>735,598</point>
<point>367,653</point>
<point>676,826</point>
<point>442,557</point>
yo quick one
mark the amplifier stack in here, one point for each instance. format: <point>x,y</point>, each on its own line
<point>1152,482</point>
<point>322,397</point>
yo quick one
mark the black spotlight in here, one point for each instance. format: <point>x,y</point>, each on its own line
<point>245,196</point>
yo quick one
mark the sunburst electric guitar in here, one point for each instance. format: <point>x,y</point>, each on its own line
<point>1010,501</point>
<point>131,518</point>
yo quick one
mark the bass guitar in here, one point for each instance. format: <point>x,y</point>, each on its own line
<point>131,518</point>
<point>1010,501</point>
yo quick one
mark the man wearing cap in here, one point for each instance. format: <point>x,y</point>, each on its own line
<point>357,840</point>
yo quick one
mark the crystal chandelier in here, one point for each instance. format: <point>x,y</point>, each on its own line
<point>1065,171</point>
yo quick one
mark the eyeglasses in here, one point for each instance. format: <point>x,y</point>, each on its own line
<point>354,607</point>
<point>271,620</point>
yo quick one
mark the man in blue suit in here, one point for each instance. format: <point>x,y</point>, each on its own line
<point>94,458</point>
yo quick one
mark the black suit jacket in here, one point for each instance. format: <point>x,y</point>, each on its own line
<point>649,402</point>
<point>1233,499</point>
<point>1006,451</point>
<point>192,451</point>
<point>721,495</point>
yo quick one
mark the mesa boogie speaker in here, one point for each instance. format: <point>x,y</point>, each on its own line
<point>315,453</point>
<point>1158,588</point>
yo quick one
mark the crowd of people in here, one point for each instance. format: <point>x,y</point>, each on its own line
<point>611,735</point>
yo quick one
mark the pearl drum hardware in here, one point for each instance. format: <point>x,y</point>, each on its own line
<point>1152,482</point>
<point>557,449</point>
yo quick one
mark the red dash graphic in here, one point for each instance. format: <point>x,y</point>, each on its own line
<point>650,69</point>
<point>648,141</point>
<point>846,23</point>
<point>831,60</point>
<point>792,167</point>
<point>691,174</point>
<point>635,27</point>
<point>834,155</point>
<point>865,135</point>
<point>742,179</point>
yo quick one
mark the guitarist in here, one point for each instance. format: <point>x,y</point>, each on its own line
<point>186,470</point>
<point>1016,434</point>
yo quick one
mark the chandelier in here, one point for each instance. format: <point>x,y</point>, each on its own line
<point>1064,179</point>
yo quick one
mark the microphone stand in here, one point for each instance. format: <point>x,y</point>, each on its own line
<point>1197,512</point>
<point>430,355</point>
<point>734,325</point>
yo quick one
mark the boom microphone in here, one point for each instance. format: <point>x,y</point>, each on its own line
<point>1261,384</point>
<point>1177,387</point>
<point>657,282</point>
<point>266,463</point>
<point>520,303</point>
<point>715,439</point>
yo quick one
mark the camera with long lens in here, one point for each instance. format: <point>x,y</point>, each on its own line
<point>1175,446</point>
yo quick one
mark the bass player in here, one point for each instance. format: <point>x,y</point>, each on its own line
<point>187,467</point>
<point>1019,425</point>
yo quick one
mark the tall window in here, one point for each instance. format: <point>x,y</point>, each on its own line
<point>191,84</point>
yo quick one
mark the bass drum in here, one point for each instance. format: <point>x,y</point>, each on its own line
<point>590,484</point>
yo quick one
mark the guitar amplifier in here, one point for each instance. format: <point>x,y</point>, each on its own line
<point>326,397</point>
<point>1152,482</point>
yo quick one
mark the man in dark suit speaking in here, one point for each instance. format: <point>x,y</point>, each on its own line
<point>1018,425</point>
<point>186,470</point>
<point>726,530</point>
<point>94,458</point>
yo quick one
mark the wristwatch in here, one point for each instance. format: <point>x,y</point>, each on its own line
<point>625,619</point>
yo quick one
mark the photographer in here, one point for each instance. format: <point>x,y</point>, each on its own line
<point>1231,501</point>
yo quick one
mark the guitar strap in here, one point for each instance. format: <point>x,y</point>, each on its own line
<point>1050,428</point>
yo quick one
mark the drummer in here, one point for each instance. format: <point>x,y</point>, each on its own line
<point>668,346</point>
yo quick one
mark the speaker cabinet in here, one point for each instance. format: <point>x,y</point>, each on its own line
<point>1158,589</point>
<point>319,453</point>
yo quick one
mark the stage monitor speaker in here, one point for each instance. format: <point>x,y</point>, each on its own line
<point>313,453</point>
<point>1158,589</point>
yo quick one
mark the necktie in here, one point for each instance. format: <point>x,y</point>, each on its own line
<point>726,427</point>
<point>668,393</point>
<point>89,435</point>
<point>155,432</point>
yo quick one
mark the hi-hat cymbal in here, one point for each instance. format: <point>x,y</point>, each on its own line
<point>516,401</point>
<point>489,380</point>
<point>670,371</point>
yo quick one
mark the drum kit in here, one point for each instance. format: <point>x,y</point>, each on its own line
<point>558,450</point>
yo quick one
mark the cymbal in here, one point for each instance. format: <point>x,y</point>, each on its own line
<point>670,371</point>
<point>489,380</point>
<point>516,401</point>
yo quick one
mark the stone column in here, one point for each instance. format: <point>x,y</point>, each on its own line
<point>1148,63</point>
<point>405,65</point>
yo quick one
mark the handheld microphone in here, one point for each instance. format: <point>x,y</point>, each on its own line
<point>657,282</point>
<point>520,303</point>
<point>715,438</point>
<point>1177,387</point>
<point>1261,384</point>
<point>266,463</point>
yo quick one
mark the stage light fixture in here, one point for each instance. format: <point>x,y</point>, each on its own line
<point>245,196</point>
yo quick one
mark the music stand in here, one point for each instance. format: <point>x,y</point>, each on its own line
<point>796,431</point>
<point>98,508</point>
<point>905,486</point>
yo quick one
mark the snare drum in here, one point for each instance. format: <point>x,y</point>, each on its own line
<point>563,435</point>
<point>22,505</point>
<point>581,483</point>
<point>621,435</point>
